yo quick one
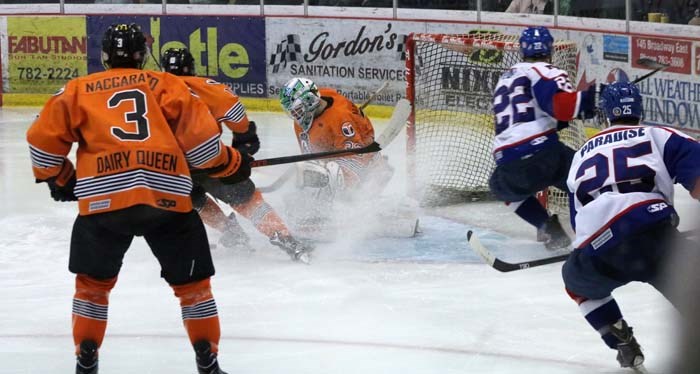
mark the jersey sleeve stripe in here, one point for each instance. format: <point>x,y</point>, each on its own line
<point>42,159</point>
<point>95,186</point>
<point>235,114</point>
<point>204,152</point>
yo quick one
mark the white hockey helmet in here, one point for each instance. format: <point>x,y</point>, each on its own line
<point>300,99</point>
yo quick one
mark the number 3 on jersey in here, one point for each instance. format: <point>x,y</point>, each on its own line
<point>137,116</point>
<point>512,104</point>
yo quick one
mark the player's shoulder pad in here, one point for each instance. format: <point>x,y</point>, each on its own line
<point>546,70</point>
<point>211,81</point>
<point>327,91</point>
<point>70,88</point>
<point>665,130</point>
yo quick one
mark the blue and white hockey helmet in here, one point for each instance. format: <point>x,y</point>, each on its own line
<point>536,42</point>
<point>621,101</point>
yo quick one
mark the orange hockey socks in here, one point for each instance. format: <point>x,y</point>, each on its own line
<point>213,216</point>
<point>90,309</point>
<point>261,214</point>
<point>199,314</point>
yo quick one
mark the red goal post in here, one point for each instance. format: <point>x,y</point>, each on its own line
<point>450,82</point>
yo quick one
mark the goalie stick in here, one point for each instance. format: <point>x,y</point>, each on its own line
<point>290,172</point>
<point>396,123</point>
<point>505,267</point>
<point>373,96</point>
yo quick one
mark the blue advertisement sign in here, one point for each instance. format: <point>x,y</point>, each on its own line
<point>616,48</point>
<point>229,49</point>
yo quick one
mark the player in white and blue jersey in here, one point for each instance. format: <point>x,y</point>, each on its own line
<point>621,184</point>
<point>532,101</point>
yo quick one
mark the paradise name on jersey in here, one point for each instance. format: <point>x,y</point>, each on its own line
<point>612,137</point>
<point>122,160</point>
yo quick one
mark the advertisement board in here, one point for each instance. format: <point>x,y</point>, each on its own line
<point>45,52</point>
<point>675,53</point>
<point>353,56</point>
<point>671,97</point>
<point>230,50</point>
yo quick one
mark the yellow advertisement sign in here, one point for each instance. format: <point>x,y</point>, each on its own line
<point>45,52</point>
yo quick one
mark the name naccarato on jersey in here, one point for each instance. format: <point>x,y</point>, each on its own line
<point>612,137</point>
<point>118,81</point>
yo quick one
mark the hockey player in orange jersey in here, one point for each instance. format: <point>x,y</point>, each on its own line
<point>138,133</point>
<point>243,197</point>
<point>324,120</point>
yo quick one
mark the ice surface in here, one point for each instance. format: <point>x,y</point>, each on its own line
<point>423,305</point>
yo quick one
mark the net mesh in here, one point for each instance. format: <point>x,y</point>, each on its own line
<point>451,81</point>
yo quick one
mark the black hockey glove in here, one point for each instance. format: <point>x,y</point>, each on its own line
<point>248,142</point>
<point>63,184</point>
<point>589,103</point>
<point>65,192</point>
<point>243,171</point>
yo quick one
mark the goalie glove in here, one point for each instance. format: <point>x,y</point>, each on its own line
<point>319,175</point>
<point>247,142</point>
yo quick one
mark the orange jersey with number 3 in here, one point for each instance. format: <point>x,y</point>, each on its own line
<point>224,105</point>
<point>138,132</point>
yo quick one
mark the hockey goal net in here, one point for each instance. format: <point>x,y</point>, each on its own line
<point>451,79</point>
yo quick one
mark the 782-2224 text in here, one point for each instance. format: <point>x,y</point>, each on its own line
<point>47,73</point>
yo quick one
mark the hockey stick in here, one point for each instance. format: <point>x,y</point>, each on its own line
<point>274,186</point>
<point>651,64</point>
<point>290,172</point>
<point>505,267</point>
<point>396,123</point>
<point>373,96</point>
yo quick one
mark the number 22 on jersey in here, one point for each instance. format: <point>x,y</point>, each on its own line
<point>512,104</point>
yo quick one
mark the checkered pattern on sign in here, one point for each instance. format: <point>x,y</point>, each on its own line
<point>286,51</point>
<point>401,48</point>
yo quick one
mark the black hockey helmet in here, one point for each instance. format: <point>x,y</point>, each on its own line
<point>124,46</point>
<point>178,61</point>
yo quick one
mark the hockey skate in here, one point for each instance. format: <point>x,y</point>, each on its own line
<point>629,353</point>
<point>294,248</point>
<point>234,237</point>
<point>87,358</point>
<point>206,359</point>
<point>553,235</point>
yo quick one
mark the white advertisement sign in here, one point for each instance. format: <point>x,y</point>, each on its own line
<point>353,56</point>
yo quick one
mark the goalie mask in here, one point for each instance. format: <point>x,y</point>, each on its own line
<point>124,46</point>
<point>536,42</point>
<point>621,102</point>
<point>178,61</point>
<point>300,99</point>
